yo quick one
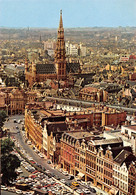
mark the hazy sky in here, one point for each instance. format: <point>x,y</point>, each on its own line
<point>76,13</point>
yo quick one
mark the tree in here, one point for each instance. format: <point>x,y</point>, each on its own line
<point>9,162</point>
<point>2,120</point>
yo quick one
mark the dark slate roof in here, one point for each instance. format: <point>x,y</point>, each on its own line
<point>124,156</point>
<point>45,68</point>
<point>73,67</point>
<point>56,127</point>
<point>50,68</point>
<point>117,150</point>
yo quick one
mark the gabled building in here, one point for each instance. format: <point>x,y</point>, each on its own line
<point>132,178</point>
<point>120,170</point>
<point>92,164</point>
<point>54,127</point>
<point>72,156</point>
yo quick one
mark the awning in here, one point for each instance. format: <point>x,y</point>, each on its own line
<point>80,174</point>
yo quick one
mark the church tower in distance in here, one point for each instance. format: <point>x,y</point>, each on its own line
<point>60,53</point>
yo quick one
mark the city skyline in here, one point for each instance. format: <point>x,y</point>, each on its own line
<point>81,13</point>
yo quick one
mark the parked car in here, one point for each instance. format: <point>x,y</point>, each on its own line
<point>52,174</point>
<point>57,177</point>
<point>75,184</point>
<point>15,121</point>
<point>86,191</point>
<point>68,184</point>
<point>63,181</point>
<point>93,190</point>
<point>79,191</point>
<point>65,173</point>
<point>70,177</point>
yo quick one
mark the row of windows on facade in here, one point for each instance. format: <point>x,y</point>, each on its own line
<point>131,190</point>
<point>91,157</point>
<point>77,156</point>
<point>118,168</point>
<point>90,164</point>
<point>121,176</point>
<point>91,148</point>
<point>81,159</point>
<point>17,105</point>
<point>130,181</point>
<point>66,147</point>
<point>67,156</point>
<point>90,171</point>
<point>133,172</point>
<point>61,72</point>
<point>120,184</point>
<point>108,181</point>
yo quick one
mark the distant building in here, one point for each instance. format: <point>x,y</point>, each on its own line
<point>93,94</point>
<point>83,50</point>
<point>71,49</point>
<point>50,45</point>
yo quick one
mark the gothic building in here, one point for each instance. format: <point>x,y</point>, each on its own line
<point>39,72</point>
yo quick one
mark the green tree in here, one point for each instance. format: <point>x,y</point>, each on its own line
<point>9,162</point>
<point>2,120</point>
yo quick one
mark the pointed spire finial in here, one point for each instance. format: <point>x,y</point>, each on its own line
<point>61,22</point>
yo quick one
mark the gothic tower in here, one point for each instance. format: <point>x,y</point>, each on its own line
<point>60,53</point>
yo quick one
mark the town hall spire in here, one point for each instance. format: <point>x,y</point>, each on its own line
<point>60,53</point>
<point>61,22</point>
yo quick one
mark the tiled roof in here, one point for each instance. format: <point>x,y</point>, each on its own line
<point>73,67</point>
<point>117,150</point>
<point>124,156</point>
<point>45,68</point>
<point>50,68</point>
<point>56,127</point>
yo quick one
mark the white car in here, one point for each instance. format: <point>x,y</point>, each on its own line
<point>65,173</point>
<point>86,191</point>
<point>18,191</point>
<point>41,155</point>
<point>83,182</point>
<point>29,142</point>
<point>63,181</point>
<point>19,170</point>
<point>79,191</point>
<point>3,187</point>
<point>30,158</point>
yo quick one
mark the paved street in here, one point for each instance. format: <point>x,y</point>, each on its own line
<point>17,133</point>
<point>7,193</point>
